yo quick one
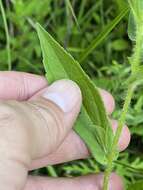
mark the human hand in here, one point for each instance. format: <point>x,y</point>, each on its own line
<point>36,130</point>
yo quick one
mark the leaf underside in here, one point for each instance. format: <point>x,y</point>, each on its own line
<point>92,124</point>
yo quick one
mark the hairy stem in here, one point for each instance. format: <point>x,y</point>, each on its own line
<point>135,62</point>
<point>137,49</point>
<point>117,136</point>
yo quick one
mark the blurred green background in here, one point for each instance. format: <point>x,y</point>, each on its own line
<point>75,24</point>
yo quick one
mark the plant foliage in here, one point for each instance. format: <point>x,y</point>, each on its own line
<point>93,124</point>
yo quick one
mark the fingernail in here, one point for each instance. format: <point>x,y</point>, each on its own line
<point>64,93</point>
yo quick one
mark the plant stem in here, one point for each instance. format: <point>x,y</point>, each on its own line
<point>135,62</point>
<point>117,136</point>
<point>137,49</point>
<point>7,35</point>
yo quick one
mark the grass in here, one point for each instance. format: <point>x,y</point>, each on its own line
<point>75,24</point>
<point>7,36</point>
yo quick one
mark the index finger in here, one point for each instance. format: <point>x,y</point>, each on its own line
<point>19,85</point>
<point>22,86</point>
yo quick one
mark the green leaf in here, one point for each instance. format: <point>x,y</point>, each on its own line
<point>135,18</point>
<point>136,186</point>
<point>107,29</point>
<point>137,8</point>
<point>132,27</point>
<point>58,65</point>
<point>119,45</point>
<point>92,135</point>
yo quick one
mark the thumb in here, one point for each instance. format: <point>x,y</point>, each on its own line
<point>58,106</point>
<point>29,130</point>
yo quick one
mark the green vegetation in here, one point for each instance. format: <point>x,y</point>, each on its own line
<point>93,124</point>
<point>95,33</point>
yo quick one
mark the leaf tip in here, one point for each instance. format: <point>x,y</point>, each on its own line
<point>38,26</point>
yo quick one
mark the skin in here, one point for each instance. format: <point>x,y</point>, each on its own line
<point>36,130</point>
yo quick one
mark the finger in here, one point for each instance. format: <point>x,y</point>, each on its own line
<point>125,137</point>
<point>91,182</point>
<point>22,86</point>
<point>29,130</point>
<point>19,85</point>
<point>73,148</point>
<point>108,100</point>
<point>70,151</point>
<point>77,149</point>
